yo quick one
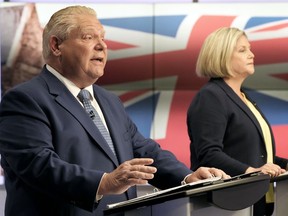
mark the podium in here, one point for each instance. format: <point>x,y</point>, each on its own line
<point>234,196</point>
<point>280,194</point>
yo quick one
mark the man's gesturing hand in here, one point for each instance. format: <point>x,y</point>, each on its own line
<point>129,173</point>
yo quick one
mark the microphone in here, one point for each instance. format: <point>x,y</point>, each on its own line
<point>91,114</point>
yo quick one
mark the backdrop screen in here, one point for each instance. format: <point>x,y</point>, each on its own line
<point>152,54</point>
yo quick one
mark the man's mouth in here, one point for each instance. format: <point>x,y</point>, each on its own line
<point>99,59</point>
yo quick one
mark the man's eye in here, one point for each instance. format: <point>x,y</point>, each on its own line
<point>88,37</point>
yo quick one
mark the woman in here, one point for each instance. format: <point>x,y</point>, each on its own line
<point>226,128</point>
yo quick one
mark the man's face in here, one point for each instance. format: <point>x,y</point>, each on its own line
<point>84,54</point>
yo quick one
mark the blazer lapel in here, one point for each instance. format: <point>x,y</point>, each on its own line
<point>232,95</point>
<point>70,103</point>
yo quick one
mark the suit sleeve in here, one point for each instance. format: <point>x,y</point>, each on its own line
<point>26,144</point>
<point>282,162</point>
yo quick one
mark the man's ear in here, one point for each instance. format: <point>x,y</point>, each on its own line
<point>54,45</point>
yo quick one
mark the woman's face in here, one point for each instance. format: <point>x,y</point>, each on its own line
<point>242,60</point>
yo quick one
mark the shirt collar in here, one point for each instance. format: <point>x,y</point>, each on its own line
<point>70,85</point>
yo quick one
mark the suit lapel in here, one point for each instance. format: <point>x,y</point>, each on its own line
<point>112,124</point>
<point>70,103</point>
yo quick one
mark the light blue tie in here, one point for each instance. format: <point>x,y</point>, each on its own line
<point>84,97</point>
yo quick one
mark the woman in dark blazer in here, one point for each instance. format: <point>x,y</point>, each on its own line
<point>226,128</point>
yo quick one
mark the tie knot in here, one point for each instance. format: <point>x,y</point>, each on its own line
<point>84,95</point>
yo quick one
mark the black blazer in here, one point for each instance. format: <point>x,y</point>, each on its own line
<point>223,131</point>
<point>54,156</point>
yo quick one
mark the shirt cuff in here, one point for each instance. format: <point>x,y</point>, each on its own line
<point>184,180</point>
<point>99,197</point>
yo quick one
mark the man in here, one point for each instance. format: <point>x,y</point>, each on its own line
<point>56,160</point>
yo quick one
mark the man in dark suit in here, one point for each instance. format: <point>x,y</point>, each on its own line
<point>56,160</point>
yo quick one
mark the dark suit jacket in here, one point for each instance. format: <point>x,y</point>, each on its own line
<point>54,156</point>
<point>223,131</point>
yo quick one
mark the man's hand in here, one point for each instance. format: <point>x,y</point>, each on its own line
<point>204,173</point>
<point>129,173</point>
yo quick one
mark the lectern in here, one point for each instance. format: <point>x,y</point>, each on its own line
<point>234,196</point>
<point>280,195</point>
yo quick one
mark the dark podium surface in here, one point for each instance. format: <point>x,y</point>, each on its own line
<point>234,194</point>
<point>280,194</point>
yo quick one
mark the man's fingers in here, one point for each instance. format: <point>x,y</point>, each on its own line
<point>141,161</point>
<point>142,168</point>
<point>141,175</point>
<point>218,173</point>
